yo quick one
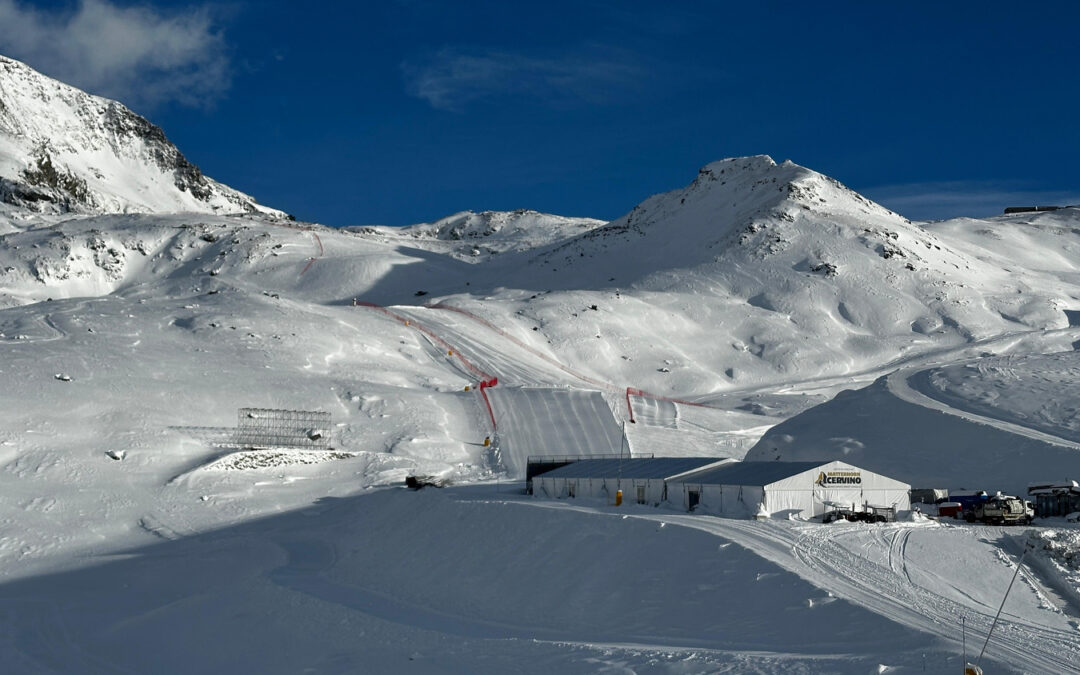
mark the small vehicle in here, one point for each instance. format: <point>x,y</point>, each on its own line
<point>950,509</point>
<point>421,482</point>
<point>880,514</point>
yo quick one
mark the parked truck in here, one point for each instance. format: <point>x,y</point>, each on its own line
<point>1000,510</point>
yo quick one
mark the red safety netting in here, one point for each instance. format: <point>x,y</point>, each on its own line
<point>483,394</point>
<point>486,380</point>
<point>311,261</point>
<point>630,391</point>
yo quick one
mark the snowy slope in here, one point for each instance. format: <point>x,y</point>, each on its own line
<point>475,580</point>
<point>160,327</point>
<point>63,150</point>
<point>759,273</point>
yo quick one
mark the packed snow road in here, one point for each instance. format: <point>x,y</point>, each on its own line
<point>914,387</point>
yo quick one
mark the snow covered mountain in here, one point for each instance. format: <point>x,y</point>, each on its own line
<point>759,273</point>
<point>764,311</point>
<point>65,151</point>
<point>475,236</point>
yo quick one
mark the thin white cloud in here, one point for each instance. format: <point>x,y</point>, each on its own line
<point>137,54</point>
<point>452,79</point>
<point>938,201</point>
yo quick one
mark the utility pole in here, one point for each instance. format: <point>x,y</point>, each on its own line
<point>976,670</point>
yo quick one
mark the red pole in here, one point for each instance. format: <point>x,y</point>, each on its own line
<point>483,386</point>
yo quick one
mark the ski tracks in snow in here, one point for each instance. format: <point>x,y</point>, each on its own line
<point>819,555</point>
<point>897,549</point>
<point>509,358</point>
<point>868,565</point>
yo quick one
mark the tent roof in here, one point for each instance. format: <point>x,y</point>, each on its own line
<point>751,473</point>
<point>641,467</point>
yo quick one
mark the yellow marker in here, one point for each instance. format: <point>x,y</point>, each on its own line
<point>487,441</point>
<point>618,498</point>
<point>406,323</point>
<point>450,353</point>
<point>466,387</point>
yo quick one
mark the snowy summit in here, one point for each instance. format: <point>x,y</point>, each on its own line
<point>65,151</point>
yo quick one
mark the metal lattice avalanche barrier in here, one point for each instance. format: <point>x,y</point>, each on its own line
<point>270,428</point>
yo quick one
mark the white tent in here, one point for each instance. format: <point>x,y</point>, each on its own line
<point>641,479</point>
<point>806,489</point>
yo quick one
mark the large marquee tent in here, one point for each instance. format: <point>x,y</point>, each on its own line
<point>805,489</point>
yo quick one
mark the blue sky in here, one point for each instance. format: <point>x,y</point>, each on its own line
<point>401,112</point>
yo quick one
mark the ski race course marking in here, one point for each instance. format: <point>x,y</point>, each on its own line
<point>510,369</point>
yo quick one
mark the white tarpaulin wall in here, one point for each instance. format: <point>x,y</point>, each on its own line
<point>537,421</point>
<point>642,479</point>
<point>730,500</point>
<point>640,490</point>
<point>809,491</point>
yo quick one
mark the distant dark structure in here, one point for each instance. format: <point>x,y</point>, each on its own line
<point>1032,209</point>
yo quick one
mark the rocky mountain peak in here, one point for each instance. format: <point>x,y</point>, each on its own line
<point>63,150</point>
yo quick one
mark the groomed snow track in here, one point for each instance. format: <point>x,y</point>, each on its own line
<point>870,566</point>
